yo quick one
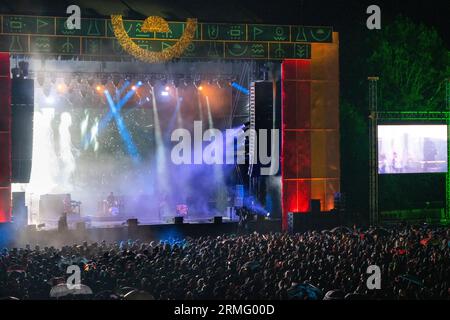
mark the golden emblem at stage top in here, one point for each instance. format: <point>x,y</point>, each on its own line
<point>153,24</point>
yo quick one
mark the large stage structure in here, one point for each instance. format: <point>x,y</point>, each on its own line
<point>309,58</point>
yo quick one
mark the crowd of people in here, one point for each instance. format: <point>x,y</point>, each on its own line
<point>414,263</point>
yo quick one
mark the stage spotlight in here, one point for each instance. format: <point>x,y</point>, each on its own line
<point>187,82</point>
<point>46,90</point>
<point>15,73</point>
<point>167,88</point>
<point>98,88</point>
<point>200,88</point>
<point>128,78</point>
<point>91,81</point>
<point>83,92</point>
<point>40,79</point>
<point>116,81</point>
<point>164,93</point>
<point>224,83</point>
<point>198,83</point>
<point>24,66</point>
<point>67,80</point>
<point>151,82</point>
<point>134,88</point>
<point>61,88</point>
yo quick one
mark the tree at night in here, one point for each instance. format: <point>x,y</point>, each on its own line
<point>412,63</point>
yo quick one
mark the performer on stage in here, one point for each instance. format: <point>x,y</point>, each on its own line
<point>67,204</point>
<point>112,205</point>
<point>163,207</point>
<point>245,216</point>
<point>62,222</point>
<point>111,200</point>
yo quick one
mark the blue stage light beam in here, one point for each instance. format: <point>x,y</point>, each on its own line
<point>109,116</point>
<point>123,131</point>
<point>122,89</point>
<point>240,88</point>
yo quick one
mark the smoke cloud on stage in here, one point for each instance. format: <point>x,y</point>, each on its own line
<point>80,147</point>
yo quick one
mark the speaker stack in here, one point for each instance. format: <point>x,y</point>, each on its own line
<point>178,220</point>
<point>19,209</point>
<point>132,223</point>
<point>22,108</point>
<point>313,220</point>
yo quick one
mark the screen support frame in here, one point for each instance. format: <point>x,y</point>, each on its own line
<point>374,117</point>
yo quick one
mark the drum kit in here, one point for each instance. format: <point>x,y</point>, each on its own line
<point>112,208</point>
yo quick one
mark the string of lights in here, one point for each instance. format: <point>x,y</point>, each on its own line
<point>90,88</point>
<point>177,80</point>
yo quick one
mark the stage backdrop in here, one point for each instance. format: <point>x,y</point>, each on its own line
<point>310,122</point>
<point>5,139</point>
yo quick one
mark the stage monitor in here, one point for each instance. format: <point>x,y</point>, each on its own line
<point>412,149</point>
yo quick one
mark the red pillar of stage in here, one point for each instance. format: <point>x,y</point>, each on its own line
<point>310,160</point>
<point>296,138</point>
<point>5,138</point>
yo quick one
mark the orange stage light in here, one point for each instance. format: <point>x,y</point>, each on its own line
<point>61,87</point>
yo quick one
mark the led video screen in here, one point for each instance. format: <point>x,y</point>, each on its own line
<point>412,149</point>
<point>84,148</point>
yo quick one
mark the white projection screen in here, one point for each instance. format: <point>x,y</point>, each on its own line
<point>412,149</point>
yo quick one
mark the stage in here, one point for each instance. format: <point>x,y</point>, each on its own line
<point>95,221</point>
<point>116,231</point>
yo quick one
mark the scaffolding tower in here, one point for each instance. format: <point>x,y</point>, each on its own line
<point>446,218</point>
<point>373,152</point>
